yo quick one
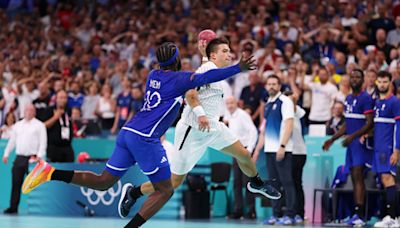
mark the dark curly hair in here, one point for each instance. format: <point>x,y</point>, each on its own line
<point>165,52</point>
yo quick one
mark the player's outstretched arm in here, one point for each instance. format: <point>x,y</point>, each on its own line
<point>196,80</point>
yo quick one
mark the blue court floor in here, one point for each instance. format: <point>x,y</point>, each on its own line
<point>28,221</point>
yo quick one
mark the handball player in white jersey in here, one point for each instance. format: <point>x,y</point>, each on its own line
<point>199,128</point>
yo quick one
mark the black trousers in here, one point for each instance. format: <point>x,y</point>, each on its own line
<point>298,164</point>
<point>239,182</point>
<point>60,153</point>
<point>19,169</point>
<point>282,172</point>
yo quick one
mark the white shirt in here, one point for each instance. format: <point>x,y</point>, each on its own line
<point>348,22</point>
<point>29,138</point>
<point>211,99</point>
<point>243,128</point>
<point>26,98</point>
<point>297,136</point>
<point>6,131</point>
<point>322,100</point>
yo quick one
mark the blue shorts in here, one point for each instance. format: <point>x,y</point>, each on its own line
<point>381,162</point>
<point>358,155</point>
<point>148,153</point>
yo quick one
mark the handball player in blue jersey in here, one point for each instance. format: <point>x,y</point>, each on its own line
<point>359,120</point>
<point>139,140</point>
<point>387,145</point>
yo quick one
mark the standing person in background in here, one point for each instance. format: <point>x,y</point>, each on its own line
<point>75,97</point>
<point>337,119</point>
<point>106,109</point>
<point>387,146</point>
<point>43,101</point>
<point>59,130</point>
<point>359,115</point>
<point>252,96</point>
<point>243,128</point>
<point>299,158</point>
<point>276,136</point>
<point>322,97</point>
<point>30,140</point>
<point>124,101</point>
<point>7,128</point>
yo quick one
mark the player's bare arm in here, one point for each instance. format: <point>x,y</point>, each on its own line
<point>328,143</point>
<point>192,99</point>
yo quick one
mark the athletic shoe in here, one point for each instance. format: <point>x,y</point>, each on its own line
<point>387,221</point>
<point>298,220</point>
<point>267,190</point>
<point>355,221</point>
<point>126,201</point>
<point>271,221</point>
<point>39,175</point>
<point>285,221</point>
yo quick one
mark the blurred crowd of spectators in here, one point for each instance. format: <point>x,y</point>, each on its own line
<point>100,52</point>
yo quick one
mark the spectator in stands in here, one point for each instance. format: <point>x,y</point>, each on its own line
<point>75,97</point>
<point>322,97</point>
<point>137,98</point>
<point>337,119</point>
<point>26,94</point>
<point>90,101</point>
<point>381,44</point>
<point>7,128</point>
<point>369,82</point>
<point>106,108</point>
<point>252,96</point>
<point>393,37</point>
<point>124,104</point>
<point>59,130</point>
<point>43,101</point>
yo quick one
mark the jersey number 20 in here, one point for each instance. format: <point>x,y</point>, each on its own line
<point>151,100</point>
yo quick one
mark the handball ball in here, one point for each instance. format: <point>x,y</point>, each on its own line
<point>82,156</point>
<point>207,35</point>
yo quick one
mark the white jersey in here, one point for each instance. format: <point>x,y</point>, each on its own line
<point>211,99</point>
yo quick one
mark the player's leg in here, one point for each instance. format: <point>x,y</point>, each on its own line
<point>163,191</point>
<point>117,165</point>
<point>150,156</point>
<point>357,177</point>
<point>147,188</point>
<point>387,173</point>
<point>242,157</point>
<point>188,151</point>
<point>389,184</point>
<point>228,144</point>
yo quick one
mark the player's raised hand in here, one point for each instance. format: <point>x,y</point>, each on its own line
<point>247,63</point>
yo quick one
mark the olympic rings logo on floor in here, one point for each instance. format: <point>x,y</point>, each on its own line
<point>106,197</point>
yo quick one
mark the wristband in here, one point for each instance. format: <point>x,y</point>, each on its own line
<point>204,59</point>
<point>199,111</point>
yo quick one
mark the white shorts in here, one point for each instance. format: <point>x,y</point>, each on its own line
<point>191,144</point>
